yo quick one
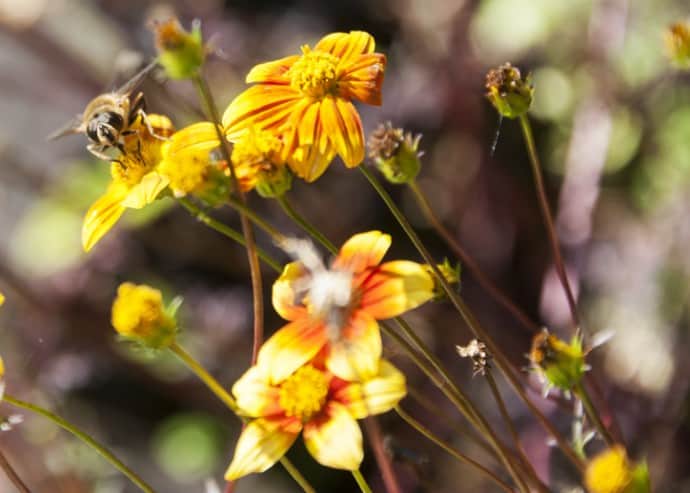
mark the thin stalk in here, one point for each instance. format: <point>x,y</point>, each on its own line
<point>548,218</point>
<point>361,482</point>
<point>247,230</point>
<point>222,394</point>
<point>373,430</point>
<point>468,262</point>
<point>12,475</point>
<point>469,318</point>
<point>453,452</point>
<point>306,225</point>
<point>243,208</point>
<point>593,415</point>
<point>225,230</point>
<point>84,437</point>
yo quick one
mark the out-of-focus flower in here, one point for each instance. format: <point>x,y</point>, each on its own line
<point>138,314</point>
<point>338,307</point>
<point>135,181</point>
<point>310,400</point>
<point>508,91</point>
<point>2,299</point>
<point>560,364</point>
<point>450,272</point>
<point>180,53</point>
<point>307,98</point>
<point>395,153</point>
<point>258,163</point>
<point>2,378</point>
<point>677,39</point>
<point>611,472</point>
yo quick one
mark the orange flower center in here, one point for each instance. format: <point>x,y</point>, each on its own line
<point>304,393</point>
<point>314,74</point>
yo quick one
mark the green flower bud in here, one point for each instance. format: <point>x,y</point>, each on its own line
<point>677,39</point>
<point>180,53</point>
<point>395,153</point>
<point>510,94</point>
<point>561,364</point>
<point>274,183</point>
<point>450,272</point>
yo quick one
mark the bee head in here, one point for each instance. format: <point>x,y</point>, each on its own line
<point>104,128</point>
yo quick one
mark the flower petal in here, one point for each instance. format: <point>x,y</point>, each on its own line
<point>146,191</point>
<point>396,287</point>
<point>362,78</point>
<point>291,347</point>
<point>285,292</point>
<point>264,105</point>
<point>355,354</point>
<point>361,251</point>
<point>196,138</point>
<point>376,395</point>
<point>334,439</point>
<point>254,396</point>
<point>308,148</point>
<point>102,216</point>
<point>272,72</point>
<point>262,443</point>
<point>342,124</point>
<point>346,45</point>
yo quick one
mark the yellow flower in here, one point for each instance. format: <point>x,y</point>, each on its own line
<point>338,308</point>
<point>138,314</point>
<point>135,181</point>
<point>256,158</point>
<point>2,378</point>
<point>311,401</point>
<point>609,472</point>
<point>677,39</point>
<point>2,299</point>
<point>307,98</point>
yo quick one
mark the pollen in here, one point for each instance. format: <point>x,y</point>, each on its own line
<point>257,150</point>
<point>314,74</point>
<point>304,393</point>
<point>187,174</point>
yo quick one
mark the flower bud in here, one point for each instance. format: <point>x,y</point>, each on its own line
<point>180,53</point>
<point>138,314</point>
<point>450,272</point>
<point>274,183</point>
<point>611,472</point>
<point>677,39</point>
<point>510,94</point>
<point>395,153</point>
<point>562,365</point>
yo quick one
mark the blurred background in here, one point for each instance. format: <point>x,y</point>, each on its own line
<point>612,122</point>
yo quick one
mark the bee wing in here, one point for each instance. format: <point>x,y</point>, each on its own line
<point>129,86</point>
<point>74,126</point>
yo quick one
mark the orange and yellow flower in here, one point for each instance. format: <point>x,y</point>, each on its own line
<point>308,98</point>
<point>311,401</point>
<point>338,308</point>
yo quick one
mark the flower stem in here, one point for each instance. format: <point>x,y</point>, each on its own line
<point>361,482</point>
<point>222,394</point>
<point>247,230</point>
<point>581,392</point>
<point>243,208</point>
<point>470,319</point>
<point>453,452</point>
<point>469,262</point>
<point>12,475</point>
<point>84,437</point>
<point>373,430</point>
<point>306,225</point>
<point>548,218</point>
<point>225,230</point>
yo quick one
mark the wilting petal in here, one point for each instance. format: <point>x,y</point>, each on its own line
<point>261,444</point>
<point>362,78</point>
<point>102,216</point>
<point>265,105</point>
<point>355,354</point>
<point>285,290</point>
<point>342,124</point>
<point>334,439</point>
<point>396,287</point>
<point>362,250</point>
<point>346,45</point>
<point>146,191</point>
<point>272,72</point>
<point>291,347</point>
<point>254,396</point>
<point>196,138</point>
<point>376,395</point>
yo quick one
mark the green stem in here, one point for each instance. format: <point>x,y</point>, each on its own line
<point>361,482</point>
<point>242,208</point>
<point>12,475</point>
<point>84,437</point>
<point>225,230</point>
<point>548,218</point>
<point>453,452</point>
<point>593,415</point>
<point>306,225</point>
<point>222,394</point>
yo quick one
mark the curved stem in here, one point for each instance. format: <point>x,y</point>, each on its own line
<point>12,475</point>
<point>361,482</point>
<point>84,437</point>
<point>593,415</point>
<point>455,453</point>
<point>225,230</point>
<point>373,430</point>
<point>467,261</point>
<point>306,225</point>
<point>548,218</point>
<point>243,208</point>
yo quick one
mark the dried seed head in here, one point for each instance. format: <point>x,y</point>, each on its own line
<point>508,91</point>
<point>476,351</point>
<point>395,153</point>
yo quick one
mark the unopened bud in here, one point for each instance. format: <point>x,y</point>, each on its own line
<point>561,364</point>
<point>451,274</point>
<point>181,53</point>
<point>677,39</point>
<point>510,94</point>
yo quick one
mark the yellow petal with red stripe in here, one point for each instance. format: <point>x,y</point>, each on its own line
<point>362,251</point>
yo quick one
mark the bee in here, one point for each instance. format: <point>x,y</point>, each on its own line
<point>107,118</point>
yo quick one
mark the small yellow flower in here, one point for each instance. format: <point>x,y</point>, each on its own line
<point>609,472</point>
<point>560,364</point>
<point>311,401</point>
<point>307,99</point>
<point>677,39</point>
<point>256,158</point>
<point>138,314</point>
<point>2,299</point>
<point>2,378</point>
<point>180,53</point>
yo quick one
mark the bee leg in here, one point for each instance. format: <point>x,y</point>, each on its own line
<point>145,119</point>
<point>97,150</point>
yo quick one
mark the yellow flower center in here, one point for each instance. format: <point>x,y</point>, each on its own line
<point>256,150</point>
<point>138,313</point>
<point>304,393</point>
<point>187,172</point>
<point>609,472</point>
<point>314,74</point>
